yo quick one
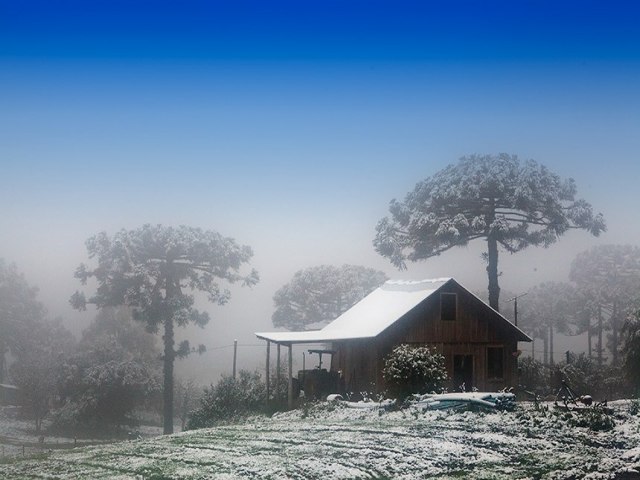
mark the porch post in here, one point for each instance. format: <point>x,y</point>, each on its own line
<point>277,392</point>
<point>290,393</point>
<point>267,370</point>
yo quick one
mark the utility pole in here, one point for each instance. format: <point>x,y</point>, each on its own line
<point>515,307</point>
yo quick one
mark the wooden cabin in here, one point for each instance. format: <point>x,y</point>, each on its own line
<point>479,345</point>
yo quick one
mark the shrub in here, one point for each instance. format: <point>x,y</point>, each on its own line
<point>533,376</point>
<point>594,419</point>
<point>229,400</point>
<point>409,369</point>
<point>584,376</point>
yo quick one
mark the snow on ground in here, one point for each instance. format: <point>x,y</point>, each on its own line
<point>18,435</point>
<point>330,441</point>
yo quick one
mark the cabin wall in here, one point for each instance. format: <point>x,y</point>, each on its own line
<point>469,337</point>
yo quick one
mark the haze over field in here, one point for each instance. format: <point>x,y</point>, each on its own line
<point>291,125</point>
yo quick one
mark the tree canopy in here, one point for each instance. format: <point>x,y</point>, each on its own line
<point>114,369</point>
<point>20,314</point>
<point>320,294</point>
<point>155,270</point>
<point>35,371</point>
<point>498,198</point>
<point>609,277</point>
<point>548,308</point>
<point>37,345</point>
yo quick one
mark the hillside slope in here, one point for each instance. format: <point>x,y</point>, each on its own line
<point>337,443</point>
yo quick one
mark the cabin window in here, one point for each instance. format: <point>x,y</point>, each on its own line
<point>495,364</point>
<point>448,306</point>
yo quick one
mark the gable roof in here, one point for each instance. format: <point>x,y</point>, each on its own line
<point>375,313</point>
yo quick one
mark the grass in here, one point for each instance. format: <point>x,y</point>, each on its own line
<point>343,444</point>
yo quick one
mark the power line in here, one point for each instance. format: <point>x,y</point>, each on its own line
<point>221,347</point>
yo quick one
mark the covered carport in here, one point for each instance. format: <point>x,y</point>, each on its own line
<point>288,339</point>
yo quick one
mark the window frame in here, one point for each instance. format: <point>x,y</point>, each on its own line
<point>490,361</point>
<point>451,307</point>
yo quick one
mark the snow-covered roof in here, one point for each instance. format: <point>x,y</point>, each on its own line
<point>370,316</point>
<point>375,313</point>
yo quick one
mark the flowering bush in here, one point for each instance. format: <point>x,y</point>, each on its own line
<point>409,369</point>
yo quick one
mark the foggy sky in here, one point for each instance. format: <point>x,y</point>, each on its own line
<point>291,127</point>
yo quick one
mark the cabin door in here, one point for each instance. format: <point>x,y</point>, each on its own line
<point>463,372</point>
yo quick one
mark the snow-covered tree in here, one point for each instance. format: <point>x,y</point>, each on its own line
<point>320,294</point>
<point>497,198</point>
<point>155,270</point>
<point>187,395</point>
<point>586,321</point>
<point>20,313</point>
<point>35,371</point>
<point>548,308</point>
<point>609,277</point>
<point>114,370</point>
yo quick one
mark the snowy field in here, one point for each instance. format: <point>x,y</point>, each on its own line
<point>328,442</point>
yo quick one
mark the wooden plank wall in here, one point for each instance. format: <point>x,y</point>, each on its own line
<point>361,361</point>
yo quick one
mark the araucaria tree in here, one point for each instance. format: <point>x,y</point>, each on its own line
<point>609,278</point>
<point>320,294</point>
<point>155,270</point>
<point>548,308</point>
<point>497,198</point>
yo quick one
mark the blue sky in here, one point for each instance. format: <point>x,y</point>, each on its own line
<point>290,125</point>
<point>330,30</point>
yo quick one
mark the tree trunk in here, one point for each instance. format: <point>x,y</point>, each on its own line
<point>614,335</point>
<point>168,375</point>
<point>39,419</point>
<point>545,348</point>
<point>169,354</point>
<point>492,272</point>
<point>589,339</point>
<point>599,335</point>
<point>2,363</point>
<point>551,362</point>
